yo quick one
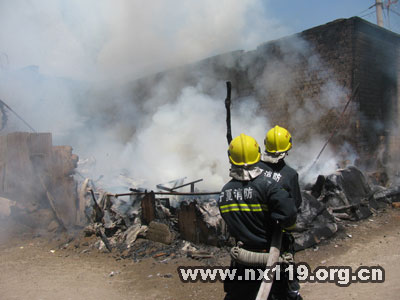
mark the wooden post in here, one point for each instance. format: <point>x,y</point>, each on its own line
<point>228,112</point>
<point>148,208</point>
<point>187,222</point>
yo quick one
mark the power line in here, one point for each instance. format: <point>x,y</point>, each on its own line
<point>384,13</point>
<point>364,10</point>
<point>367,14</point>
<point>395,12</point>
<point>389,5</point>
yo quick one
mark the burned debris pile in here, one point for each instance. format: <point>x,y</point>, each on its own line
<point>146,224</point>
<point>333,200</point>
<point>37,189</point>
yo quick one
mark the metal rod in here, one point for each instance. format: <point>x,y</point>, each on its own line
<point>186,184</point>
<point>336,125</point>
<point>10,109</point>
<point>166,193</point>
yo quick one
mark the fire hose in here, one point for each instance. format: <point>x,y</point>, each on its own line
<point>274,252</point>
<point>255,259</point>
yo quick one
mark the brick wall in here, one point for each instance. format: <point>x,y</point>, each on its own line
<point>314,60</point>
<point>288,74</point>
<point>303,82</point>
<point>375,70</point>
<point>350,53</point>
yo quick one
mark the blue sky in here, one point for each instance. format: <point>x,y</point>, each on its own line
<point>301,15</point>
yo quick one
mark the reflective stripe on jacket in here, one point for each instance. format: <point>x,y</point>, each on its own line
<point>250,207</point>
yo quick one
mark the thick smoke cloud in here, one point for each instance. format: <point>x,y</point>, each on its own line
<point>187,138</point>
<point>179,138</point>
<point>126,39</point>
<point>61,59</point>
<point>84,55</point>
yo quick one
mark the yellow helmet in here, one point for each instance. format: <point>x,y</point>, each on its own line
<point>244,150</point>
<point>277,140</point>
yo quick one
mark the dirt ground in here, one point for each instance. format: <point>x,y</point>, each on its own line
<point>36,268</point>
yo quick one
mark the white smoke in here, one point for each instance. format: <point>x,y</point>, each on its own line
<point>46,103</point>
<point>178,131</point>
<point>282,79</point>
<point>303,158</point>
<point>187,138</point>
<point>68,44</point>
<point>183,138</point>
<point>128,38</point>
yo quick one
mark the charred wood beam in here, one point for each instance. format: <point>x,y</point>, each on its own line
<point>164,193</point>
<point>51,202</point>
<point>228,112</point>
<point>96,207</point>
<point>101,234</point>
<point>343,208</point>
<point>340,209</point>
<point>148,208</point>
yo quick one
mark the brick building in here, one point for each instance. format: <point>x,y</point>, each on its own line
<point>304,81</point>
<point>352,53</point>
<point>332,61</point>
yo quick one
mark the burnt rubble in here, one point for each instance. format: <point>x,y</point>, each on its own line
<point>146,225</point>
<point>163,224</point>
<point>344,196</point>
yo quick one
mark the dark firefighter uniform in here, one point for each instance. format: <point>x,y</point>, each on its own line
<point>249,209</point>
<point>278,141</point>
<point>286,176</point>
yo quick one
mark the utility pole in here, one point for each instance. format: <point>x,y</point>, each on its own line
<point>379,9</point>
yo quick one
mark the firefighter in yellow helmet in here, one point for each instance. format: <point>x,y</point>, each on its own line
<point>278,142</point>
<point>251,203</point>
<point>244,152</point>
